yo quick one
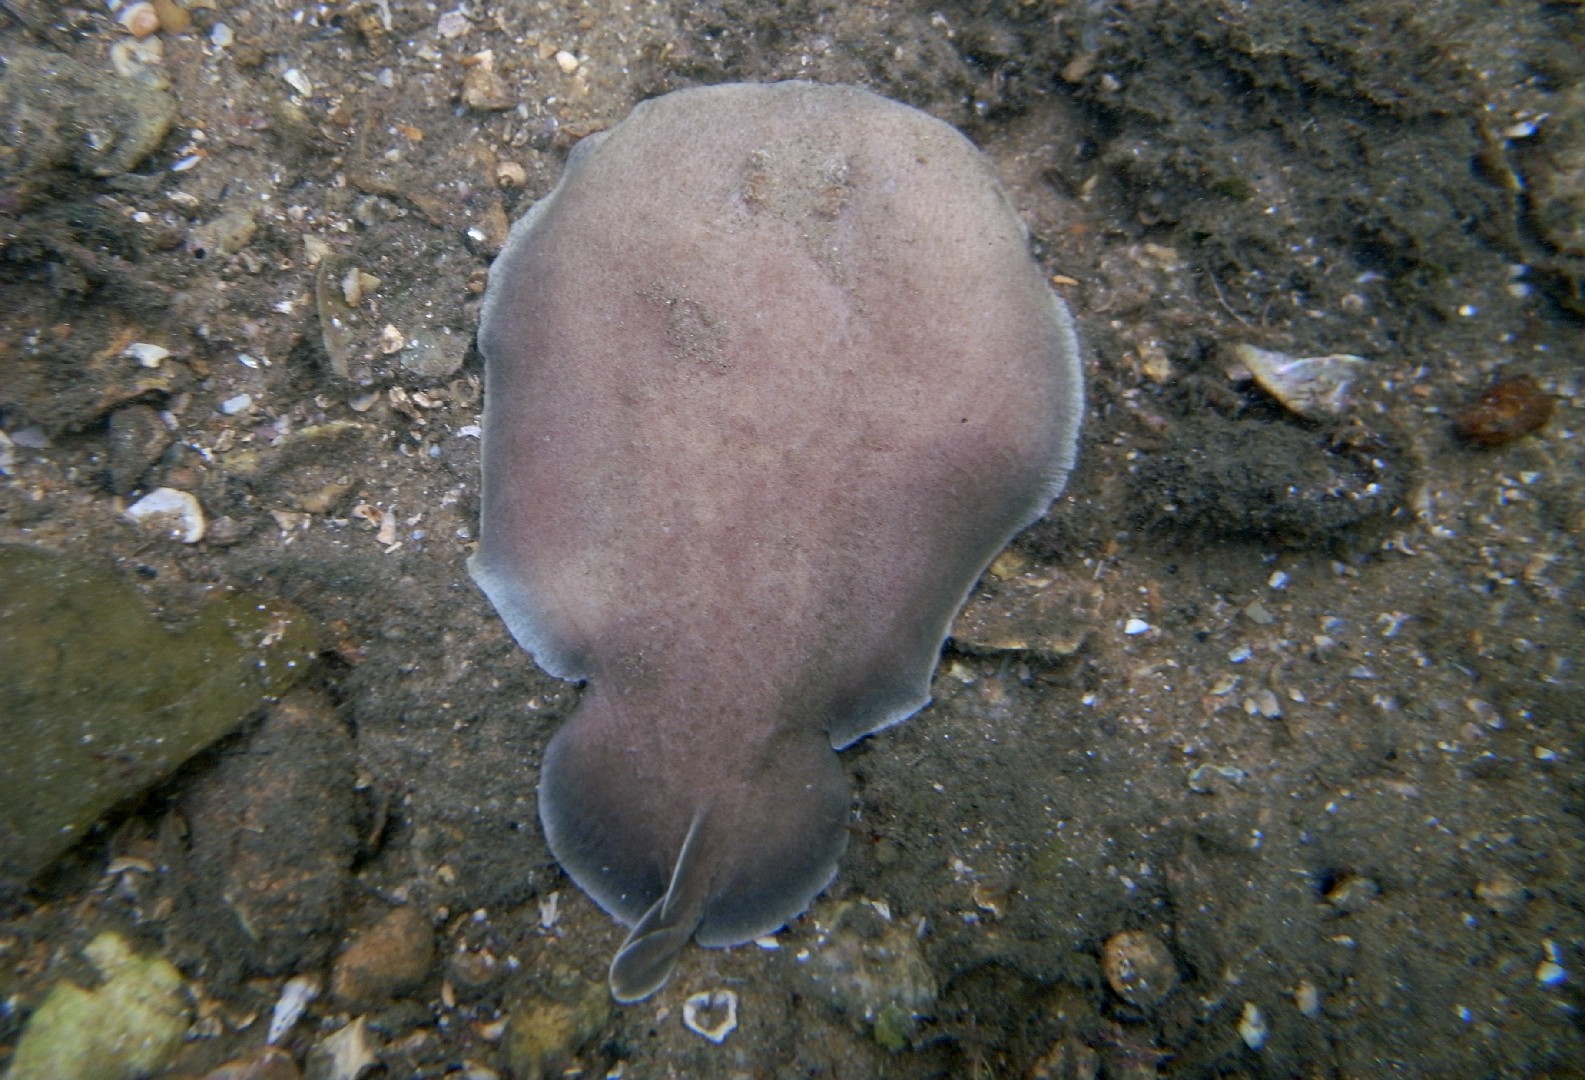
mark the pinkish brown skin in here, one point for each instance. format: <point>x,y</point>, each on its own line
<point>771,378</point>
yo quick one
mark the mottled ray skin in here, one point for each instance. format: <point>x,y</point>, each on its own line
<point>771,377</point>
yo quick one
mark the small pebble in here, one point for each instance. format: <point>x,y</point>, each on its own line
<point>453,24</point>
<point>566,61</point>
<point>1501,894</point>
<point>239,404</point>
<point>150,356</point>
<point>1307,998</point>
<point>1252,1026</point>
<point>176,513</point>
<point>391,957</point>
<point>1550,973</point>
<point>1138,967</point>
<point>1507,409</point>
<point>269,1063</point>
<point>1352,893</point>
<point>1135,627</point>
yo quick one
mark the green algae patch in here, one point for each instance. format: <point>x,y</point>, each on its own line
<point>99,700</point>
<point>129,1026</point>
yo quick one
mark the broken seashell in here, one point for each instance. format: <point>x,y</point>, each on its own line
<point>295,996</point>
<point>712,1014</point>
<point>140,19</point>
<point>1312,386</point>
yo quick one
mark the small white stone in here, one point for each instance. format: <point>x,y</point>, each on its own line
<point>239,404</point>
<point>453,24</point>
<point>1252,1026</point>
<point>171,511</point>
<point>391,340</point>
<point>1135,627</point>
<point>1307,998</point>
<point>150,356</point>
<point>566,61</point>
<point>712,1014</point>
<point>220,36</point>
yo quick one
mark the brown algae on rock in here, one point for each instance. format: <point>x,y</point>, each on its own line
<point>98,700</point>
<point>771,378</point>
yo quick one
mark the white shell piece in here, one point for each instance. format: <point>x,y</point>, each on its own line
<point>295,996</point>
<point>718,1002</point>
<point>1312,386</point>
<point>349,1051</point>
<point>298,81</point>
<point>174,512</point>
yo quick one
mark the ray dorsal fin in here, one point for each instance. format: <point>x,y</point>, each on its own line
<point>644,962</point>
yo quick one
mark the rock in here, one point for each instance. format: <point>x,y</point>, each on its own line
<point>553,1021</point>
<point>1042,613</point>
<point>171,512</point>
<point>867,967</point>
<point>1352,893</point>
<point>271,842</point>
<point>435,355</point>
<point>394,955</point>
<point>1558,175</point>
<point>66,113</point>
<point>1502,894</point>
<point>137,439</point>
<point>129,1027</point>
<point>98,700</point>
<point>1138,967</point>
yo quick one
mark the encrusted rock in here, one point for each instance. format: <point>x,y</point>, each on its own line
<point>1138,967</point>
<point>391,957</point>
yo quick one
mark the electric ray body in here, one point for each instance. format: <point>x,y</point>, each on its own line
<point>770,378</point>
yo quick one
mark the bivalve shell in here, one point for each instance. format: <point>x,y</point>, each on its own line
<point>1312,386</point>
<point>712,1014</point>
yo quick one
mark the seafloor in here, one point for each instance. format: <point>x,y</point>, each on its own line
<point>1294,699</point>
